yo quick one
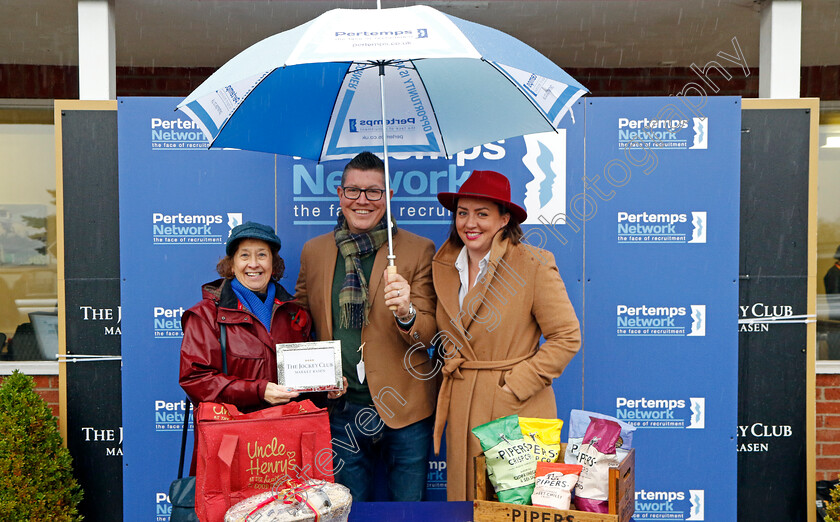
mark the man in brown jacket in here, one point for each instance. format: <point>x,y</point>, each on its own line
<point>386,411</point>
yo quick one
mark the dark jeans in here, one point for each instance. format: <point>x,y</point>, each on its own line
<point>361,438</point>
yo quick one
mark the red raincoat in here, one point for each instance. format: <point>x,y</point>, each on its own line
<point>251,357</point>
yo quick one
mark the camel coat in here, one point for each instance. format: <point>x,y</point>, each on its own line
<point>493,341</point>
<point>397,366</point>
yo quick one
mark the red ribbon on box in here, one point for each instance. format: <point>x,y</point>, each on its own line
<point>290,495</point>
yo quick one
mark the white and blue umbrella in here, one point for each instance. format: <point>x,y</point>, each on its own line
<point>320,90</point>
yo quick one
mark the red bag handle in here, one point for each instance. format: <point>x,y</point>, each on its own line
<point>307,455</point>
<point>227,450</point>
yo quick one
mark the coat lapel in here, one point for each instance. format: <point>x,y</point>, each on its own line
<point>474,300</point>
<point>446,279</point>
<point>447,284</point>
<point>376,281</point>
<point>328,271</point>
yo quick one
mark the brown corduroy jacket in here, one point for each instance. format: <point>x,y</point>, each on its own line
<point>395,360</point>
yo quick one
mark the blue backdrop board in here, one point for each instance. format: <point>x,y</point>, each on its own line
<point>662,278</point>
<point>178,203</point>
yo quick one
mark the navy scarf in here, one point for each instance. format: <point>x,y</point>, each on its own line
<point>262,309</point>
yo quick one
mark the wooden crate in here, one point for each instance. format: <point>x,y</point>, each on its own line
<point>621,500</point>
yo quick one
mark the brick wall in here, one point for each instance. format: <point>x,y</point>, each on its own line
<point>47,388</point>
<point>62,82</point>
<point>828,427</point>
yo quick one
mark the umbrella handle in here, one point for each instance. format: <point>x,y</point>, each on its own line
<point>392,269</point>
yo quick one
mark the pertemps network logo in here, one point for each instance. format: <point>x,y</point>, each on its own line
<point>545,194</point>
<point>661,227</point>
<point>192,229</point>
<point>163,507</point>
<point>382,37</point>
<point>660,321</point>
<point>372,124</point>
<point>167,322</point>
<point>662,413</point>
<point>176,134</point>
<point>670,505</point>
<point>646,133</point>
<point>169,415</point>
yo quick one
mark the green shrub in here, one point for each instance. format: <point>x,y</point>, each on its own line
<point>832,509</point>
<point>36,474</point>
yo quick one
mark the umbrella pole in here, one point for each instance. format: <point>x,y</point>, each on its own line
<point>392,268</point>
<point>391,256</point>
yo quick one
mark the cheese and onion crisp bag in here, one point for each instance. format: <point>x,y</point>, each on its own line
<point>543,437</point>
<point>510,463</point>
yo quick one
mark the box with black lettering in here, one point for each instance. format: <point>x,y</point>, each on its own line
<point>622,492</point>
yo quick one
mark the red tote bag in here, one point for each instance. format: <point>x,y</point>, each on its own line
<point>240,455</point>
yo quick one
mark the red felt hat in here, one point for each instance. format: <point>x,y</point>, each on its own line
<point>485,184</point>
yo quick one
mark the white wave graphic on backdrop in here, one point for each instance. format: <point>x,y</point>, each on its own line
<point>234,220</point>
<point>701,133</point>
<point>697,497</point>
<point>698,321</point>
<point>545,194</point>
<point>698,413</point>
<point>698,220</point>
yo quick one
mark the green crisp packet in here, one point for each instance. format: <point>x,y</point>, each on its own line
<point>510,462</point>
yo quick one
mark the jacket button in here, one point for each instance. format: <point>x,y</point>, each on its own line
<point>416,336</point>
<point>223,318</point>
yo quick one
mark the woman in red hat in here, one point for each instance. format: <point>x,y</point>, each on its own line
<point>496,297</point>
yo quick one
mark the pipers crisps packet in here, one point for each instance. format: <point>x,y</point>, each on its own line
<point>579,421</point>
<point>597,455</point>
<point>543,437</point>
<point>554,484</point>
<point>510,463</point>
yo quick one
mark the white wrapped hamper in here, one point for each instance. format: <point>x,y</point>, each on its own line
<point>331,501</point>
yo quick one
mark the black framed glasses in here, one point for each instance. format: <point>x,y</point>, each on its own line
<point>372,194</point>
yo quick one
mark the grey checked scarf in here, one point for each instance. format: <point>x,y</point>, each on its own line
<point>353,297</point>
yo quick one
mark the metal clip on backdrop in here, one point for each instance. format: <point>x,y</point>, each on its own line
<point>65,358</point>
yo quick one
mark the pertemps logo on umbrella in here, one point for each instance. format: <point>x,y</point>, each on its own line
<point>356,125</point>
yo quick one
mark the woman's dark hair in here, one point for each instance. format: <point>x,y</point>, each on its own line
<point>511,231</point>
<point>225,265</point>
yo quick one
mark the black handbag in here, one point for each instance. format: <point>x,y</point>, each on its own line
<point>182,489</point>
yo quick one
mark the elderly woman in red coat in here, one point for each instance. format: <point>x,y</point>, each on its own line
<point>496,297</point>
<point>257,313</point>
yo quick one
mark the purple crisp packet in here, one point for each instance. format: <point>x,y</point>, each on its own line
<point>603,434</point>
<point>597,455</point>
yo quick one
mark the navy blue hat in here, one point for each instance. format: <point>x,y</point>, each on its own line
<point>251,230</point>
